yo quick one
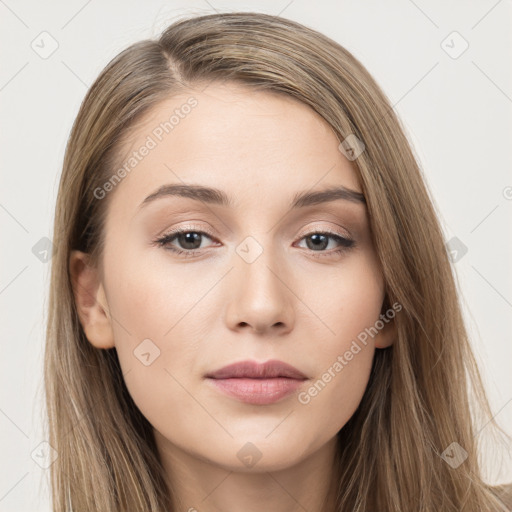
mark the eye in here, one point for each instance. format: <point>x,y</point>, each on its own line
<point>319,241</point>
<point>190,241</point>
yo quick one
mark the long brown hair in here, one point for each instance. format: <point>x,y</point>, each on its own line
<point>423,390</point>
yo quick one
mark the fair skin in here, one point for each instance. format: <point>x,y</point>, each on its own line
<point>300,303</point>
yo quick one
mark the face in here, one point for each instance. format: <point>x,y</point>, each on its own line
<point>194,282</point>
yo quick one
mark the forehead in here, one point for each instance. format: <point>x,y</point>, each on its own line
<point>248,142</point>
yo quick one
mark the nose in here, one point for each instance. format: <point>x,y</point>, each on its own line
<point>260,299</point>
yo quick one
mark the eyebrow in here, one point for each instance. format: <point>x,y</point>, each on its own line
<point>215,196</point>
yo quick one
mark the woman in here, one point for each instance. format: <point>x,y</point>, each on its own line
<point>251,305</point>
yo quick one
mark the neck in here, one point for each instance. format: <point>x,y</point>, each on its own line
<point>199,485</point>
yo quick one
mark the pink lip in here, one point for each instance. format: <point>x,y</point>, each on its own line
<point>256,383</point>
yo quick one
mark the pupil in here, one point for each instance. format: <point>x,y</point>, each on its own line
<point>190,238</point>
<point>318,241</point>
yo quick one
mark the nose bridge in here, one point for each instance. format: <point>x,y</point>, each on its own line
<point>260,297</point>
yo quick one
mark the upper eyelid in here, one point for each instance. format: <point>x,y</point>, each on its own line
<point>193,229</point>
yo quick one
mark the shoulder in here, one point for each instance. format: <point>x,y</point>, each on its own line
<point>504,493</point>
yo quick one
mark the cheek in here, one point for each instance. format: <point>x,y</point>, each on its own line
<point>158,326</point>
<point>348,300</point>
<point>334,394</point>
<point>154,299</point>
<point>349,304</point>
<point>344,362</point>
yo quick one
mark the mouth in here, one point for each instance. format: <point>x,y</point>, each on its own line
<point>255,383</point>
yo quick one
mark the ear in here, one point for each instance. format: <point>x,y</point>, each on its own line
<point>387,335</point>
<point>91,301</point>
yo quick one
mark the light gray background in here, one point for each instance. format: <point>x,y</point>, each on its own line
<point>457,113</point>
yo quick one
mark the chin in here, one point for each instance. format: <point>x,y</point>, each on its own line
<point>257,454</point>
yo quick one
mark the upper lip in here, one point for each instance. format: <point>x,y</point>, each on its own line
<point>254,370</point>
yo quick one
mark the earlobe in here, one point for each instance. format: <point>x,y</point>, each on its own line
<point>90,301</point>
<point>386,336</point>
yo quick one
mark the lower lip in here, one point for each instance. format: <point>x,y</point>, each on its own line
<point>258,391</point>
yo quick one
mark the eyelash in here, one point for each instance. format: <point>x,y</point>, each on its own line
<point>346,243</point>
